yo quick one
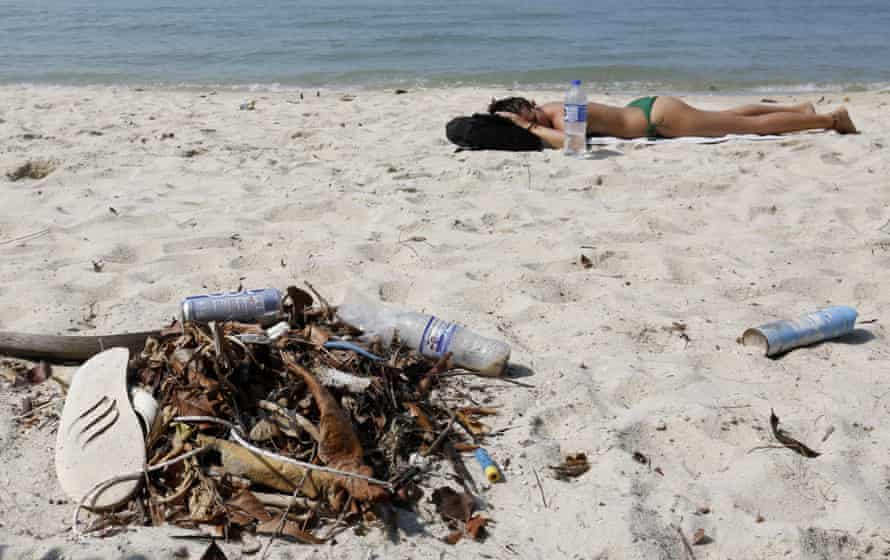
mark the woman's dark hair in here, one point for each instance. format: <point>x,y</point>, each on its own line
<point>510,105</point>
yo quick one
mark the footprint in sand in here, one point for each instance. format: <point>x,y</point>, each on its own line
<point>394,291</point>
<point>832,158</point>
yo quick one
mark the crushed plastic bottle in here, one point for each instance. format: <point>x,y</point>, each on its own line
<point>429,335</point>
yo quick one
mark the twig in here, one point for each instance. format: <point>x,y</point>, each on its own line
<point>466,479</point>
<point>441,436</point>
<point>35,409</point>
<point>772,446</point>
<point>27,237</point>
<point>686,546</point>
<point>473,373</point>
<point>123,478</point>
<point>541,488</point>
<point>282,501</point>
<point>238,438</point>
<point>340,518</point>
<point>284,515</point>
<point>788,441</point>
<point>326,307</point>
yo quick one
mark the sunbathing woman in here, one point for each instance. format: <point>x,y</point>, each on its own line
<point>669,117</point>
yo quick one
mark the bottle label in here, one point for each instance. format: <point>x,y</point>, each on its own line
<point>437,337</point>
<point>575,113</point>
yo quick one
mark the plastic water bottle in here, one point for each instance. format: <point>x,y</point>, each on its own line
<point>429,335</point>
<point>575,121</point>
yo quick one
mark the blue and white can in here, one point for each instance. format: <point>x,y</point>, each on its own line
<point>250,306</point>
<point>781,336</point>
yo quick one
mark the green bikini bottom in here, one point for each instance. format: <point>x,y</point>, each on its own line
<point>645,103</point>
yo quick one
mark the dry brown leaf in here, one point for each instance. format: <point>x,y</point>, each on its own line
<point>453,506</point>
<point>479,410</point>
<point>475,427</point>
<point>573,465</point>
<point>289,529</point>
<point>699,537</point>
<point>788,441</point>
<point>197,378</point>
<point>339,446</point>
<point>300,301</point>
<point>476,527</point>
<point>244,508</point>
<point>203,504</point>
<point>423,421</point>
<point>193,403</point>
<point>264,430</point>
<point>454,537</point>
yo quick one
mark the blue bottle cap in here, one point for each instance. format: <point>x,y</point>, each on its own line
<point>576,82</point>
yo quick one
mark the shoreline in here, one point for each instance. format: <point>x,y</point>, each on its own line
<point>594,88</point>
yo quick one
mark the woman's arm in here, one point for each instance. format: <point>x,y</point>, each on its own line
<point>552,138</point>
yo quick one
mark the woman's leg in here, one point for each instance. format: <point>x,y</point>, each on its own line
<point>763,109</point>
<point>675,118</point>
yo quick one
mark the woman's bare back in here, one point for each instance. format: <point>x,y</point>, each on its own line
<point>605,120</point>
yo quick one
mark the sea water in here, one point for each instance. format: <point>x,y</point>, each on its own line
<point>646,45</point>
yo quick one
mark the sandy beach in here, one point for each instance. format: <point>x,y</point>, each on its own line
<point>160,194</point>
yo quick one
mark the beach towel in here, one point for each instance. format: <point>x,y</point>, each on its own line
<point>610,140</point>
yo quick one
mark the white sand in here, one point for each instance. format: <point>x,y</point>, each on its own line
<point>718,238</point>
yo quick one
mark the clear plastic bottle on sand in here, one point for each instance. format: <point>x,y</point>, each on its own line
<point>575,121</point>
<point>429,335</point>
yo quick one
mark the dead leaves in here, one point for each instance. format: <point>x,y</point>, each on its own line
<point>365,418</point>
<point>574,465</point>
<point>468,417</point>
<point>457,510</point>
<point>244,508</point>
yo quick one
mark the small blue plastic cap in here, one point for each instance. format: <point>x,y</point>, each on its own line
<point>576,82</point>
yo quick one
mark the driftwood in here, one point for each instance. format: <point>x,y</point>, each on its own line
<point>59,348</point>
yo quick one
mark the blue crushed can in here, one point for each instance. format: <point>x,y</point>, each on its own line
<point>781,336</point>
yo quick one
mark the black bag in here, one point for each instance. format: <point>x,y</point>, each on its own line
<point>490,132</point>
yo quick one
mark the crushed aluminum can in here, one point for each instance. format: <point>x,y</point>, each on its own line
<point>250,306</point>
<point>781,336</point>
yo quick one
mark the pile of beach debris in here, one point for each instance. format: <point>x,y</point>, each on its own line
<point>276,431</point>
